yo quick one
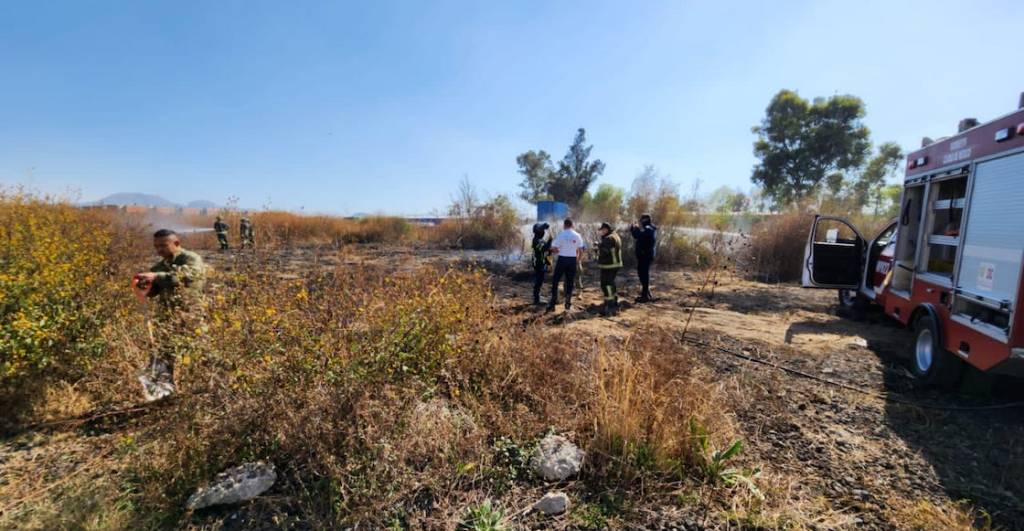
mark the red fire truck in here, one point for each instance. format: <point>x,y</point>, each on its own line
<point>950,265</point>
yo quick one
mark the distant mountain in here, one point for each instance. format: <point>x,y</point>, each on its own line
<point>123,199</point>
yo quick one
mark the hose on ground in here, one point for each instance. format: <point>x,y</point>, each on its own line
<point>885,397</point>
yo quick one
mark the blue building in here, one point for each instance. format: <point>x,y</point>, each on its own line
<point>551,211</point>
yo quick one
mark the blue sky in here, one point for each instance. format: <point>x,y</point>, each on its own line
<point>383,106</point>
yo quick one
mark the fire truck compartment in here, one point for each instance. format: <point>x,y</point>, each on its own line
<point>947,200</point>
<point>906,244</point>
<point>989,274</point>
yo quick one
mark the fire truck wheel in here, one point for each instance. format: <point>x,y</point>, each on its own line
<point>933,365</point>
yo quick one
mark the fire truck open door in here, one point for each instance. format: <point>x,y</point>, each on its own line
<point>834,254</point>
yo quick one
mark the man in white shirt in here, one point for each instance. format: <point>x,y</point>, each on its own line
<point>568,246</point>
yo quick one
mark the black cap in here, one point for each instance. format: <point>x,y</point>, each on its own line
<point>606,226</point>
<point>540,227</point>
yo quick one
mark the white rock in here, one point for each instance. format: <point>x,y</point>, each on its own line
<point>557,459</point>
<point>157,381</point>
<point>552,504</point>
<point>235,485</point>
<point>155,390</point>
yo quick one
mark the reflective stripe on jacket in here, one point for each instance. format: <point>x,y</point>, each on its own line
<point>609,252</point>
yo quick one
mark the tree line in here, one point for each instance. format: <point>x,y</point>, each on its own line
<point>810,152</point>
<point>821,150</point>
<point>567,182</point>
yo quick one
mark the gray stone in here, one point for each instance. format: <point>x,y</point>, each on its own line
<point>552,504</point>
<point>157,381</point>
<point>153,390</point>
<point>234,485</point>
<point>557,459</point>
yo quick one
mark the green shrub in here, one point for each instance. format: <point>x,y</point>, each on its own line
<point>484,517</point>
<point>52,277</point>
<point>492,225</point>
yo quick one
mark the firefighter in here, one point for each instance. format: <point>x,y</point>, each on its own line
<point>541,247</point>
<point>246,233</point>
<point>176,282</point>
<point>645,236</point>
<point>568,246</point>
<point>609,260</point>
<point>221,229</point>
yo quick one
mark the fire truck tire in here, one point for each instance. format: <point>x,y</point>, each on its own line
<point>933,365</point>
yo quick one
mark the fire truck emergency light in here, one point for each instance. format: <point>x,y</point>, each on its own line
<point>1020,129</point>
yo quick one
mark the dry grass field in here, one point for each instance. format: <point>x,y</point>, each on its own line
<point>395,384</point>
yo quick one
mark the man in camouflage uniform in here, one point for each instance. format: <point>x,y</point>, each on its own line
<point>245,230</point>
<point>176,282</point>
<point>222,233</point>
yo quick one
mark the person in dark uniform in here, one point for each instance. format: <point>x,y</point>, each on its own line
<point>541,247</point>
<point>645,234</point>
<point>221,229</point>
<point>609,261</point>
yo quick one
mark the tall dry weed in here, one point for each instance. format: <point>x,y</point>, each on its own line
<point>275,228</point>
<point>285,228</point>
<point>645,397</point>
<point>774,251</point>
